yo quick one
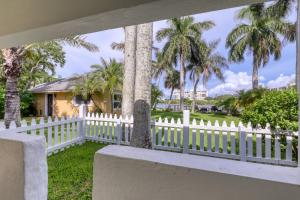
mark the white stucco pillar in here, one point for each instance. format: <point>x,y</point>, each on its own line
<point>23,168</point>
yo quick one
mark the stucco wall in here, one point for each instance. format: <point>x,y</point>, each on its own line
<point>127,173</point>
<point>11,170</point>
<point>40,104</point>
<point>23,168</point>
<point>63,104</point>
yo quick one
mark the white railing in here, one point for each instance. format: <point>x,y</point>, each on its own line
<point>233,141</point>
<point>59,133</point>
<point>108,128</point>
<point>224,141</point>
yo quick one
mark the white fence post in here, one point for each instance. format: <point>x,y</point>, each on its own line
<point>119,131</point>
<point>153,135</point>
<point>242,136</point>
<point>186,130</point>
<point>82,114</point>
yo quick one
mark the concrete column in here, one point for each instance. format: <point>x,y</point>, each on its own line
<point>23,168</point>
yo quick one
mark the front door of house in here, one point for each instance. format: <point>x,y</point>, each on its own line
<point>50,104</point>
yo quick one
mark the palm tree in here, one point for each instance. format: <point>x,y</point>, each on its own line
<point>12,66</point>
<point>87,87</point>
<point>141,113</point>
<point>182,36</point>
<point>119,46</point>
<point>159,66</point>
<point>246,98</point>
<point>109,76</point>
<point>298,67</point>
<point>172,82</point>
<point>129,70</point>
<point>208,63</point>
<point>259,35</point>
<point>156,95</point>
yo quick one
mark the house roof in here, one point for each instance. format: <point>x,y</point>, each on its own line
<point>60,85</point>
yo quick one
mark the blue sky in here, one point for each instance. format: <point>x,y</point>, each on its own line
<point>238,76</point>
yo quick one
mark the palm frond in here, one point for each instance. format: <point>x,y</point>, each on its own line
<point>119,46</point>
<point>79,41</point>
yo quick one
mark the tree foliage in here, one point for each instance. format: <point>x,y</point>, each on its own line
<point>156,95</point>
<point>183,35</point>
<point>259,34</point>
<point>109,74</point>
<point>279,108</point>
<point>27,107</point>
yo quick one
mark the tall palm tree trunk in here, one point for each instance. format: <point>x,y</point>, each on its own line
<point>129,70</point>
<point>170,99</point>
<point>181,81</point>
<point>298,71</point>
<point>141,113</point>
<point>255,73</point>
<point>12,70</point>
<point>12,102</point>
<point>194,95</point>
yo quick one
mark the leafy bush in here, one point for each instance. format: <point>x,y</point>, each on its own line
<point>279,108</point>
<point>156,95</point>
<point>27,104</point>
<point>229,104</point>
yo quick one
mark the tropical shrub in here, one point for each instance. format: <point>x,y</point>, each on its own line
<point>279,108</point>
<point>27,104</point>
<point>229,104</point>
<point>156,95</point>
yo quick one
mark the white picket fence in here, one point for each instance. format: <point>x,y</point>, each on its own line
<point>233,141</point>
<point>59,133</point>
<point>108,128</point>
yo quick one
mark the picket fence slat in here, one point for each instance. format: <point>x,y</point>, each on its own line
<point>209,136</point>
<point>49,133</point>
<point>217,136</point>
<point>62,131</point>
<point>224,138</point>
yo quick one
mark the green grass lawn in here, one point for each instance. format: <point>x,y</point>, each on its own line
<point>198,116</point>
<point>71,172</point>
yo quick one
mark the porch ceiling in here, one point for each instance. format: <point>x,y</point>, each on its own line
<point>36,20</point>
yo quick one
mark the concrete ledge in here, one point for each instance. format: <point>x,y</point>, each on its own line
<point>23,168</point>
<point>129,173</point>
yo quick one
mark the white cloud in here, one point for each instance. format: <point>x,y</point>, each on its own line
<point>79,60</point>
<point>233,82</point>
<point>242,81</point>
<point>281,81</point>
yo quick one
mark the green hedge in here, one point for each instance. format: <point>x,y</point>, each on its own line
<point>279,108</point>
<point>26,105</point>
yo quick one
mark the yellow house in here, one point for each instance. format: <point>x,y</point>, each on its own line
<point>57,99</point>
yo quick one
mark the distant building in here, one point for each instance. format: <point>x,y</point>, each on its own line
<point>200,94</point>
